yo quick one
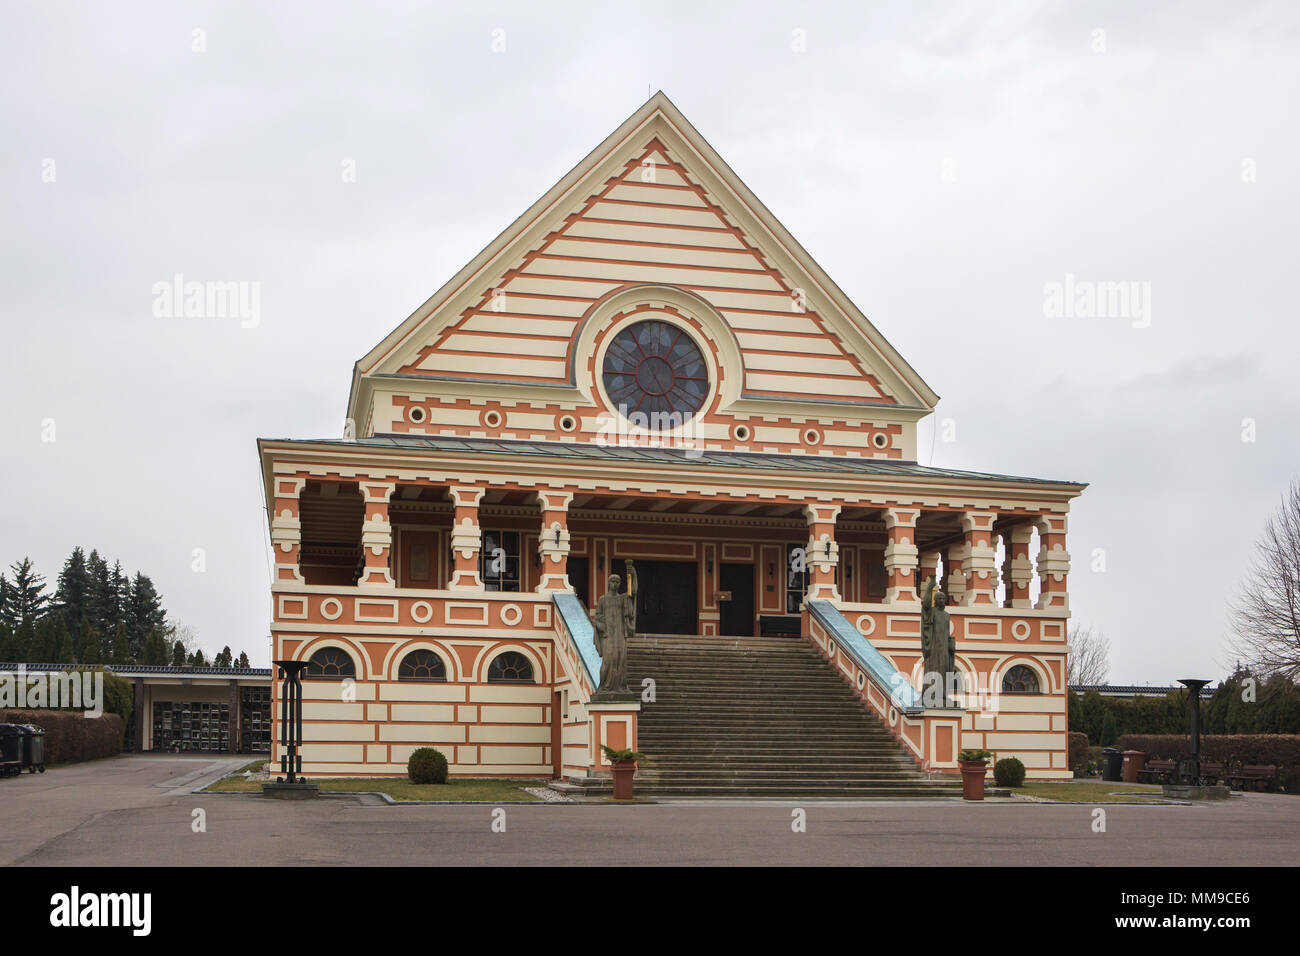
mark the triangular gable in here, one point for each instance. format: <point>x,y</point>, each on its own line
<point>652,205</point>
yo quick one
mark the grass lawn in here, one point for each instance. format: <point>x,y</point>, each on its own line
<point>1083,792</point>
<point>485,791</point>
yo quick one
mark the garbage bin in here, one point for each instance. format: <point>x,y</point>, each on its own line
<point>1134,761</point>
<point>33,747</point>
<point>11,750</point>
<point>1112,763</point>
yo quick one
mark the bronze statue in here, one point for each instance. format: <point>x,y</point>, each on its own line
<point>614,622</point>
<point>938,646</point>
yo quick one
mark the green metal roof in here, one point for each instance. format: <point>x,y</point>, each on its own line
<point>743,460</point>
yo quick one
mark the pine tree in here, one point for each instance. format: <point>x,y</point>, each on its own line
<point>225,658</point>
<point>198,660</point>
<point>7,654</point>
<point>90,651</point>
<point>4,603</point>
<point>27,599</point>
<point>178,655</point>
<point>73,590</point>
<point>143,613</point>
<point>24,642</point>
<point>155,650</point>
<point>62,650</point>
<point>99,598</point>
<point>243,660</point>
<point>121,646</point>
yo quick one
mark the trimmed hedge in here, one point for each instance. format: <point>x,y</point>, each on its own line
<point>1078,753</point>
<point>1281,750</point>
<point>1009,772</point>
<point>71,736</point>
<point>427,765</point>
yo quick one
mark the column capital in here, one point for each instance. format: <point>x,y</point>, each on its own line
<point>467,496</point>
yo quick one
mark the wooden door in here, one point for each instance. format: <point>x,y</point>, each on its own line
<point>737,612</point>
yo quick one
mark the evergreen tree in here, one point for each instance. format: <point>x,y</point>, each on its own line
<point>90,651</point>
<point>178,654</point>
<point>155,650</point>
<point>73,590</point>
<point>243,660</point>
<point>121,646</point>
<point>44,643</point>
<point>27,599</point>
<point>1109,733</point>
<point>198,660</point>
<point>24,642</point>
<point>101,604</point>
<point>4,603</point>
<point>7,653</point>
<point>143,612</point>
<point>62,648</point>
<point>225,658</point>
<point>1094,712</point>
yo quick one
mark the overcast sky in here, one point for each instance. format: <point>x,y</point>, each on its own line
<point>945,163</point>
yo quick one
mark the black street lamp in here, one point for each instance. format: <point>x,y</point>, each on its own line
<point>291,785</point>
<point>1194,686</point>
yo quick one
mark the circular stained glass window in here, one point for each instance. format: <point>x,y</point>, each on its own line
<point>656,368</point>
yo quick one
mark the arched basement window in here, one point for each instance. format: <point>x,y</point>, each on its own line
<point>510,668</point>
<point>422,665</point>
<point>1020,680</point>
<point>330,663</point>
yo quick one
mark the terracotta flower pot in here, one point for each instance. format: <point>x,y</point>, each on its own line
<point>972,778</point>
<point>623,772</point>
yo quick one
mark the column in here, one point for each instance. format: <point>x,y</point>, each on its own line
<point>823,555</point>
<point>1053,563</point>
<point>901,556</point>
<point>377,535</point>
<point>1017,569</point>
<point>466,538</point>
<point>142,713</point>
<point>929,566</point>
<point>286,530</point>
<point>954,574</point>
<point>980,560</point>
<point>553,541</point>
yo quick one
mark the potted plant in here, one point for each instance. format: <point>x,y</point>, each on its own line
<point>973,765</point>
<point>623,765</point>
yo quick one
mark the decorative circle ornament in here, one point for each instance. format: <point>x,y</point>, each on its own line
<point>655,367</point>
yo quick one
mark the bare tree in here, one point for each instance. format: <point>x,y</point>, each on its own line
<point>1089,660</point>
<point>1267,611</point>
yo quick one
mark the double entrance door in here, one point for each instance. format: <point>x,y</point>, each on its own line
<point>667,599</point>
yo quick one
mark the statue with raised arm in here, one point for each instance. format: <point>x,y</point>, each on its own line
<point>938,647</point>
<point>614,622</point>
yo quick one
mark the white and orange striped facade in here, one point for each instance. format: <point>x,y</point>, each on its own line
<point>485,417</point>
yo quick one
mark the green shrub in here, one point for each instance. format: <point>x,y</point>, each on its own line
<point>427,765</point>
<point>1078,753</point>
<point>1009,772</point>
<point>71,736</point>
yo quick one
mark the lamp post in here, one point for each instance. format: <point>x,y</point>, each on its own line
<point>290,785</point>
<point>1194,686</point>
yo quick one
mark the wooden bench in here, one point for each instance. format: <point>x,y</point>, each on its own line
<point>1158,771</point>
<point>774,625</point>
<point>1256,776</point>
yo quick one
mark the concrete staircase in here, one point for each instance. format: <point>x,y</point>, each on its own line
<point>761,717</point>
